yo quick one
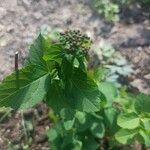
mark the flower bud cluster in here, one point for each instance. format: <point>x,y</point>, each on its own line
<point>75,42</point>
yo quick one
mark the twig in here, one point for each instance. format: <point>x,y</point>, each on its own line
<point>5,115</point>
<point>24,128</point>
<point>17,70</point>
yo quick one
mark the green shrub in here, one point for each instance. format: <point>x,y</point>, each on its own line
<point>86,112</point>
<point>110,9</point>
<point>112,63</point>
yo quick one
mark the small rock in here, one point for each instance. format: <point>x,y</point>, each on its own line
<point>8,131</point>
<point>141,86</point>
<point>10,29</point>
<point>147,76</point>
<point>1,27</point>
<point>28,40</point>
<point>9,4</point>
<point>26,3</point>
<point>139,48</point>
<point>3,12</point>
<point>38,15</point>
<point>3,42</point>
<point>47,128</point>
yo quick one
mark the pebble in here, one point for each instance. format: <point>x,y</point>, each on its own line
<point>3,12</point>
<point>8,130</point>
<point>139,48</point>
<point>26,2</point>
<point>38,15</point>
<point>1,27</point>
<point>147,76</point>
<point>3,42</point>
<point>10,29</point>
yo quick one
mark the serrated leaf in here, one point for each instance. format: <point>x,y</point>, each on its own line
<point>142,104</point>
<point>90,143</point>
<point>70,142</point>
<point>108,50</point>
<point>128,121</point>
<point>67,114</point>
<point>36,52</point>
<point>120,61</point>
<point>146,137</point>
<point>126,102</point>
<point>83,121</point>
<point>110,118</point>
<point>100,74</point>
<point>68,125</point>
<point>85,94</point>
<point>146,123</point>
<point>56,98</point>
<point>53,53</point>
<point>32,88</point>
<point>67,142</point>
<point>127,70</point>
<point>125,136</point>
<point>109,90</point>
<point>81,116</point>
<point>77,144</point>
<point>52,134</point>
<point>98,129</point>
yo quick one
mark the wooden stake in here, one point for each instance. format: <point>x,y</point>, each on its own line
<point>17,70</point>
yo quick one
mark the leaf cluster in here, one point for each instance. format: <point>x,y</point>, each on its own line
<point>85,111</point>
<point>110,9</point>
<point>114,65</point>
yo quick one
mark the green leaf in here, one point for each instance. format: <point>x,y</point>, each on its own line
<point>85,94</point>
<point>98,129</point>
<point>81,116</point>
<point>128,120</point>
<point>107,50</point>
<point>89,143</point>
<point>67,142</point>
<point>32,88</point>
<point>36,52</point>
<point>71,143</point>
<point>146,137</point>
<point>67,64</point>
<point>110,118</point>
<point>142,103</point>
<point>109,90</point>
<point>68,125</point>
<point>77,144</point>
<point>146,123</point>
<point>125,136</point>
<point>126,102</point>
<point>53,53</point>
<point>52,134</point>
<point>83,121</point>
<point>100,73</point>
<point>67,114</point>
<point>56,98</point>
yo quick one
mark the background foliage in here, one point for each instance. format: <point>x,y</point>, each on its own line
<point>110,9</point>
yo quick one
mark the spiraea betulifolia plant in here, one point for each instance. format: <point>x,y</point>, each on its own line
<point>87,114</point>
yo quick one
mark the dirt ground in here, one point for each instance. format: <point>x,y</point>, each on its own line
<point>20,20</point>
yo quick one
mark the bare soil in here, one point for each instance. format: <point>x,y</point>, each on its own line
<point>20,20</point>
